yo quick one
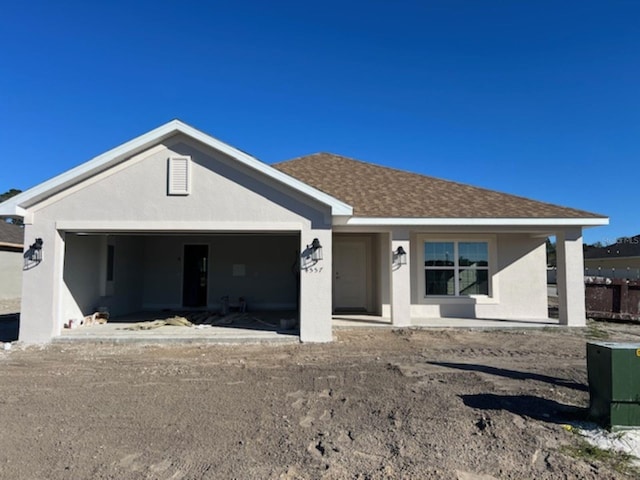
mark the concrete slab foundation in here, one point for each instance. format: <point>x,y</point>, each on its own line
<point>355,321</point>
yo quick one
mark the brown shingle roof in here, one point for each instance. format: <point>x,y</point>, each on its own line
<point>376,191</point>
<point>11,234</point>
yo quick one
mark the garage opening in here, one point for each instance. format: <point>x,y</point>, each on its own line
<point>235,280</point>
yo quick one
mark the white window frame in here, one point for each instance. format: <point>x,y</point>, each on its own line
<point>172,165</point>
<point>491,268</point>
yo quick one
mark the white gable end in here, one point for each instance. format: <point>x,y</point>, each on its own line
<point>19,204</point>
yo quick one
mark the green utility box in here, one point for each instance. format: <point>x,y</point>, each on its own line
<point>614,383</point>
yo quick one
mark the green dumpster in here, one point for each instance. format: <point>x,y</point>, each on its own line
<point>613,370</point>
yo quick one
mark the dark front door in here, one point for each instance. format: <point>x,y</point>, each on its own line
<point>194,276</point>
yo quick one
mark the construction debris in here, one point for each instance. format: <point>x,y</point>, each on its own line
<point>197,319</point>
<point>98,318</point>
<point>172,321</point>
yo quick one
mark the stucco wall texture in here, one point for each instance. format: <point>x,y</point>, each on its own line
<point>11,278</point>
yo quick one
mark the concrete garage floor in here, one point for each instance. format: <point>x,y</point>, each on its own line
<point>249,327</point>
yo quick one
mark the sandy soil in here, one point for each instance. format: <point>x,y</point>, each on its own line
<point>374,404</point>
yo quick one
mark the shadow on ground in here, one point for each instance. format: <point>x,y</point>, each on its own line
<point>9,327</point>
<point>515,374</point>
<point>527,405</point>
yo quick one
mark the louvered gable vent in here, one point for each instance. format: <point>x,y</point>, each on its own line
<point>179,176</point>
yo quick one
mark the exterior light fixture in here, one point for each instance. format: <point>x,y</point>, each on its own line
<point>33,256</point>
<point>35,251</point>
<point>316,250</point>
<point>400,256</point>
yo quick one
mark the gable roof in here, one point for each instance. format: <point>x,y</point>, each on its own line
<point>11,235</point>
<point>624,247</point>
<point>375,191</point>
<point>17,205</point>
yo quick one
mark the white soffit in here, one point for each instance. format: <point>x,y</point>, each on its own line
<point>16,206</point>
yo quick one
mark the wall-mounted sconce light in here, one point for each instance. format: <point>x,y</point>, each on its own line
<point>311,256</point>
<point>33,256</point>
<point>35,251</point>
<point>316,250</point>
<point>400,256</point>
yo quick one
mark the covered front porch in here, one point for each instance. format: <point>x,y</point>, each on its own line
<point>454,276</point>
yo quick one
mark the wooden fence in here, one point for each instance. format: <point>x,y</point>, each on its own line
<point>613,299</point>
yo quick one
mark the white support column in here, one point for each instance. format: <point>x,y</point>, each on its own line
<point>384,260</point>
<point>316,289</point>
<point>41,283</point>
<point>570,271</point>
<point>400,281</point>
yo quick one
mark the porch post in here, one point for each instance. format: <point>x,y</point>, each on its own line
<point>570,271</point>
<point>316,289</point>
<point>40,315</point>
<point>400,281</point>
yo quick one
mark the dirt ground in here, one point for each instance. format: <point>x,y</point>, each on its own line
<point>376,403</point>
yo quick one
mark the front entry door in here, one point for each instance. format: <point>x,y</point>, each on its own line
<point>194,275</point>
<point>350,275</point>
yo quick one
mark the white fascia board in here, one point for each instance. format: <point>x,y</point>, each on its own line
<point>10,208</point>
<point>525,222</point>
<point>11,245</point>
<point>138,144</point>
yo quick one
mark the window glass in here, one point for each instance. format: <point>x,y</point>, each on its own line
<point>473,254</point>
<point>440,282</point>
<point>439,254</point>
<point>456,268</point>
<point>474,282</point>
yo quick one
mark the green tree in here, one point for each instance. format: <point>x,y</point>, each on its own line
<point>8,194</point>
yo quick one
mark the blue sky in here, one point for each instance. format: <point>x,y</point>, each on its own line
<point>535,98</point>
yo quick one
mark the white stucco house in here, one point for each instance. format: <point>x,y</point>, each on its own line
<point>177,219</point>
<point>11,240</point>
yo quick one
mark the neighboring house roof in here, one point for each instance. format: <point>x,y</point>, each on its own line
<point>625,247</point>
<point>11,235</point>
<point>376,191</point>
<point>18,205</point>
